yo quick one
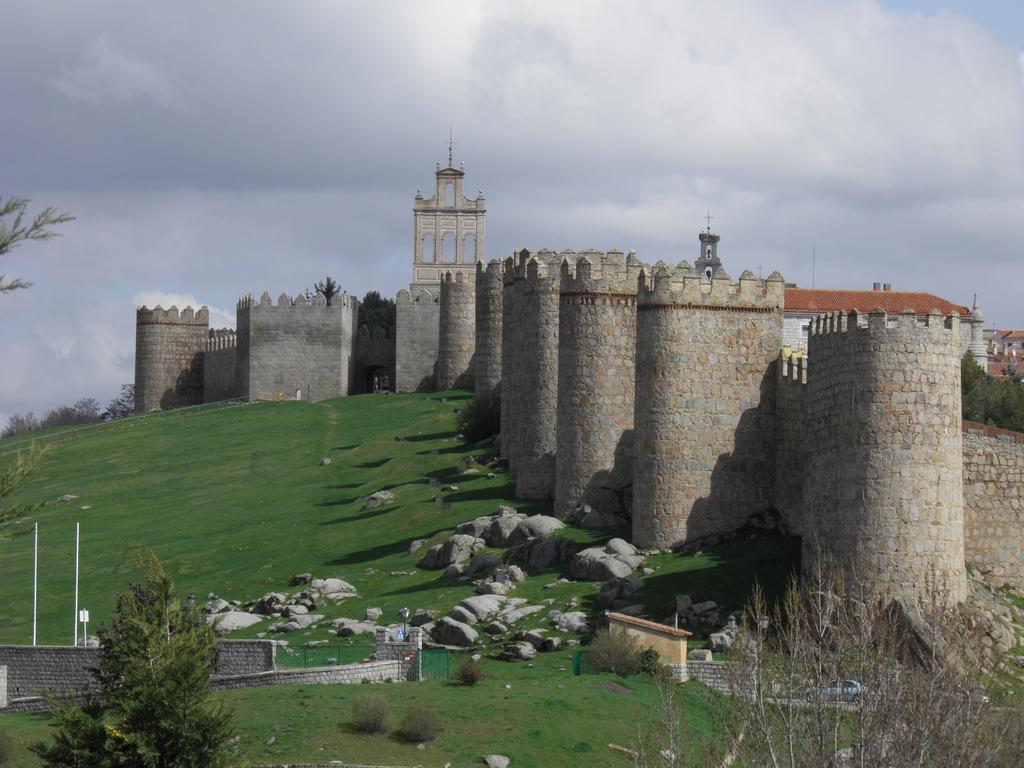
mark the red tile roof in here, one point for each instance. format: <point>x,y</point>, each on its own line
<point>1012,335</point>
<point>813,300</point>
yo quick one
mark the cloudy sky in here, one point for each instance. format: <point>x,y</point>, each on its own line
<point>210,149</point>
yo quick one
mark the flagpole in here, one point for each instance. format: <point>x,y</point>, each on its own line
<point>35,584</point>
<point>77,529</point>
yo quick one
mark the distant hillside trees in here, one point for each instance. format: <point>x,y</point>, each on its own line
<point>376,310</point>
<point>121,406</point>
<point>84,411</point>
<point>988,400</point>
<point>154,706</point>
<point>17,228</point>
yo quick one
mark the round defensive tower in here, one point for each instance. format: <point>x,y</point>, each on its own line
<point>487,358</point>
<point>885,452</point>
<point>596,363</point>
<point>169,351</point>
<point>704,457</point>
<point>537,303</point>
<point>510,382</point>
<point>457,332</point>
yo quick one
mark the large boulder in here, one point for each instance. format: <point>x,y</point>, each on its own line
<point>595,564</point>
<point>512,615</point>
<point>475,528</point>
<point>484,607</point>
<point>482,563</point>
<point>518,651</point>
<point>502,526</point>
<point>456,551</point>
<point>571,621</point>
<point>619,547</point>
<point>379,499</point>
<point>272,602</point>
<point>619,591</point>
<point>332,589</point>
<point>534,527</point>
<point>448,631</point>
<point>543,552</point>
<point>231,620</point>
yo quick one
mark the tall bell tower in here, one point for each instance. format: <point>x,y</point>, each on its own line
<point>448,228</point>
<point>707,263</point>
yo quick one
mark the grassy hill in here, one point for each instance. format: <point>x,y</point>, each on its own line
<point>235,501</point>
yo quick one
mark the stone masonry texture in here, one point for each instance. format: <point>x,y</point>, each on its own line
<point>487,357</point>
<point>994,507</point>
<point>704,415</point>
<point>169,349</point>
<point>418,319</point>
<point>511,346</point>
<point>220,367</point>
<point>596,363</point>
<point>535,400</point>
<point>294,349</point>
<point>883,452</point>
<point>456,332</point>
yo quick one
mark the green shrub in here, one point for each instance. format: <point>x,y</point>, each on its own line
<point>6,748</point>
<point>482,417</point>
<point>419,724</point>
<point>614,652</point>
<point>469,673</point>
<point>371,715</point>
<point>649,663</point>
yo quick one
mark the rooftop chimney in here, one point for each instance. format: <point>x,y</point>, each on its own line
<point>887,287</point>
<point>876,286</point>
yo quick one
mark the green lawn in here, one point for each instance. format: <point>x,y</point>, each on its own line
<point>537,714</point>
<point>235,501</point>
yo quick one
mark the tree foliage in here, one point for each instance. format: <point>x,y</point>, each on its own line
<point>482,417</point>
<point>988,400</point>
<point>16,227</point>
<point>23,464</point>
<point>86,410</point>
<point>153,708</point>
<point>121,406</point>
<point>375,310</point>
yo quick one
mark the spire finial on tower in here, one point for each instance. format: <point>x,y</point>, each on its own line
<point>451,144</point>
<point>709,217</point>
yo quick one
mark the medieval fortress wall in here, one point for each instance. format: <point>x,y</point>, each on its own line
<point>487,326</point>
<point>169,350</point>
<point>456,340</point>
<point>994,505</point>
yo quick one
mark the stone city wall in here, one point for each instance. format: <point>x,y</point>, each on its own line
<point>705,402</point>
<point>294,349</point>
<point>169,349</point>
<point>790,462</point>
<point>487,357</point>
<point>417,315</point>
<point>536,392</point>
<point>883,452</point>
<point>513,269</point>
<point>994,505</point>
<point>596,365</point>
<point>456,332</point>
<point>220,366</point>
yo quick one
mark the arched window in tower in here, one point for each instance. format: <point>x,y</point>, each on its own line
<point>469,249</point>
<point>428,249</point>
<point>448,248</point>
<point>449,195</point>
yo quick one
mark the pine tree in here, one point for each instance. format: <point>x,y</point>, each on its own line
<point>153,708</point>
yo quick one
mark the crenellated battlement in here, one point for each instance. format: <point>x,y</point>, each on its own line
<point>456,279</point>
<point>160,316</point>
<point>593,273</point>
<point>492,272</point>
<point>221,338</point>
<point>340,302</point>
<point>682,287</point>
<point>793,366</point>
<point>879,322</point>
<point>421,295</point>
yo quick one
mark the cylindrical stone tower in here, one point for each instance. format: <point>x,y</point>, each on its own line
<point>169,351</point>
<point>537,302</point>
<point>884,452</point>
<point>597,337</point>
<point>487,359</point>
<point>457,332</point>
<point>704,418</point>
<point>510,381</point>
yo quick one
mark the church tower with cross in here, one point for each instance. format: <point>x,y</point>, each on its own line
<point>448,228</point>
<point>707,263</point>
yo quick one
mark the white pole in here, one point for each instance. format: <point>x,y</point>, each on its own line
<point>35,584</point>
<point>77,527</point>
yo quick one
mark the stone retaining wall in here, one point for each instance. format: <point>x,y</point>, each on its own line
<point>345,674</point>
<point>714,674</point>
<point>994,507</point>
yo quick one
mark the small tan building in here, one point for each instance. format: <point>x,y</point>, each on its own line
<point>669,642</point>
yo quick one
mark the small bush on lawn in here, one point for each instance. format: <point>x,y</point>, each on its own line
<point>481,418</point>
<point>469,673</point>
<point>649,663</point>
<point>371,715</point>
<point>419,724</point>
<point>614,652</point>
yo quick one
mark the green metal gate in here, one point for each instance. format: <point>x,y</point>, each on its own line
<point>435,665</point>
<point>580,662</point>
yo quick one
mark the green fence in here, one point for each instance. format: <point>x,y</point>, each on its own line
<point>324,655</point>
<point>435,665</point>
<point>580,662</point>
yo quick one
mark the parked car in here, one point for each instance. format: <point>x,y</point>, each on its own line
<point>841,690</point>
